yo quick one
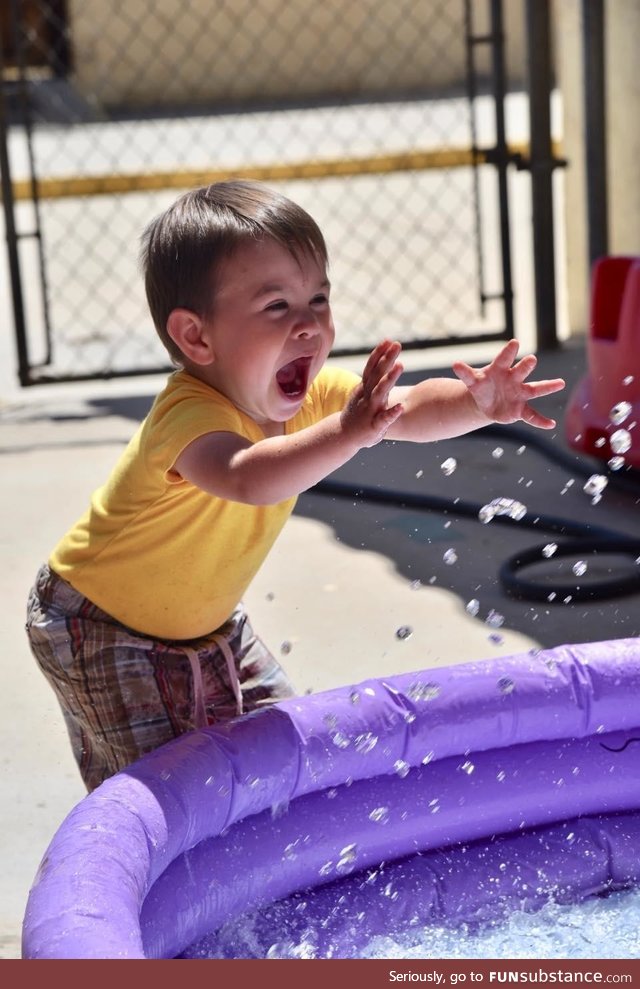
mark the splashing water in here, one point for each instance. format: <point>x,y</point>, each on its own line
<point>448,466</point>
<point>599,927</point>
<point>620,412</point>
<point>502,506</point>
<point>620,441</point>
<point>595,485</point>
<point>404,632</point>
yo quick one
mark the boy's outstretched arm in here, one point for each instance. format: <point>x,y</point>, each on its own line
<point>438,408</point>
<point>278,467</point>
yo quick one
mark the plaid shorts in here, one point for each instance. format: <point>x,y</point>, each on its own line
<point>123,694</point>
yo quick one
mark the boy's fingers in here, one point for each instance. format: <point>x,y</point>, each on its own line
<point>379,358</point>
<point>537,389</point>
<point>535,418</point>
<point>524,367</point>
<point>464,372</point>
<point>506,356</point>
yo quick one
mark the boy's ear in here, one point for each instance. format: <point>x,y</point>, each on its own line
<point>185,328</point>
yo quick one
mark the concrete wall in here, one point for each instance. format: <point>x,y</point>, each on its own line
<point>133,52</point>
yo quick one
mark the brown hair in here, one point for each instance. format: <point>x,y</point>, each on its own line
<point>183,248</point>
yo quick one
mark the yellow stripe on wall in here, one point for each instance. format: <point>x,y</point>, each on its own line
<point>104,185</point>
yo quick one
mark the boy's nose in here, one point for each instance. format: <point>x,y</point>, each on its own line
<point>305,325</point>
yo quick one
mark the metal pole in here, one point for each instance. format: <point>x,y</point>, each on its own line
<point>12,241</point>
<point>502,158</point>
<point>542,164</point>
<point>595,127</point>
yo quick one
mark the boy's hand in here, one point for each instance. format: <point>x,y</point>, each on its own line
<point>366,417</point>
<point>500,390</point>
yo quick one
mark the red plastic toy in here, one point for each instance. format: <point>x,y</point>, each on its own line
<point>603,413</point>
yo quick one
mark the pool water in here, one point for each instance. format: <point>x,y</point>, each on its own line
<point>599,927</point>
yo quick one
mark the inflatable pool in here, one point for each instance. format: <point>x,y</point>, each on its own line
<point>451,794</point>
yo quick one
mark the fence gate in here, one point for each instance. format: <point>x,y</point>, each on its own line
<point>384,118</point>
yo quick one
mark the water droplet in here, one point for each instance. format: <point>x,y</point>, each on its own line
<point>450,557</point>
<point>419,473</point>
<point>506,685</point>
<point>279,809</point>
<point>347,857</point>
<point>501,776</point>
<point>340,740</point>
<point>404,632</point>
<point>549,549</point>
<point>620,441</point>
<point>551,596</point>
<point>616,463</point>
<point>379,815</point>
<point>285,648</point>
<point>415,585</point>
<point>494,619</point>
<point>579,568</point>
<point>502,506</point>
<point>496,638</point>
<point>595,485</point>
<point>366,742</point>
<point>401,768</point>
<point>448,466</point>
<point>354,697</point>
<point>467,767</point>
<point>628,380</point>
<point>210,780</point>
<point>325,869</point>
<point>421,691</point>
<point>429,757</point>
<point>270,596</point>
<point>290,851</point>
<point>620,412</point>
<point>472,607</point>
<point>497,453</point>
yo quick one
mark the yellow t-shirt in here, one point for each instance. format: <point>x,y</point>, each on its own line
<point>156,552</point>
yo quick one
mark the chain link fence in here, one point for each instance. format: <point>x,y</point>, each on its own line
<point>358,111</point>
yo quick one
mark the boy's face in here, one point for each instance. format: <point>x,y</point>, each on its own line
<point>271,330</point>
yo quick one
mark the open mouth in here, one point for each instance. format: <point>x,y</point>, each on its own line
<point>293,377</point>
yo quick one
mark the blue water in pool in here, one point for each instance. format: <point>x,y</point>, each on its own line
<point>599,927</point>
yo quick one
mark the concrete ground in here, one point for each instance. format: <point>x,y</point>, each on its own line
<point>340,583</point>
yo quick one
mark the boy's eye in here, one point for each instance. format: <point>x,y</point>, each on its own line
<point>320,300</point>
<point>276,306</point>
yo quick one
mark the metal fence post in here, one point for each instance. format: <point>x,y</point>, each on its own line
<point>595,128</point>
<point>542,164</point>
<point>12,239</point>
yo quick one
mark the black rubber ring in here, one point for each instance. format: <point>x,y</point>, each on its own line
<point>532,590</point>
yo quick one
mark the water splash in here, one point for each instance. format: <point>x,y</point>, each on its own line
<point>620,412</point>
<point>502,506</point>
<point>620,441</point>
